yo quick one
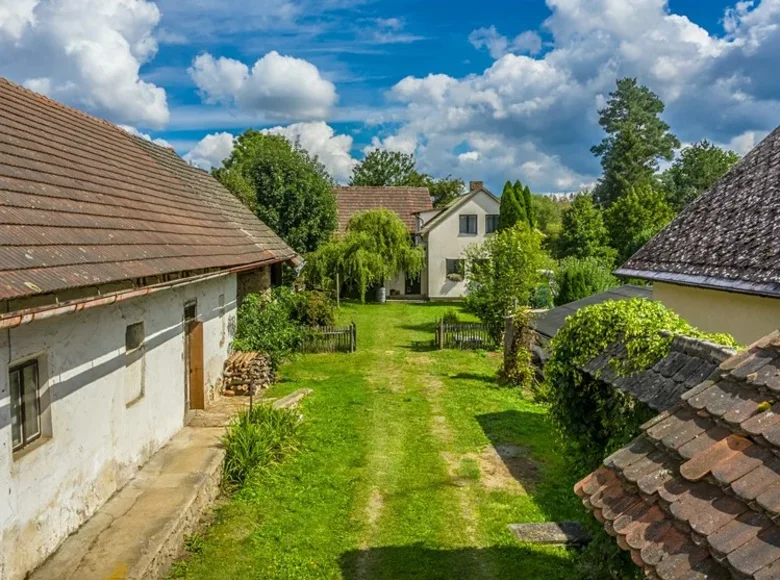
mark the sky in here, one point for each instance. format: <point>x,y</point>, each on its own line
<point>491,90</point>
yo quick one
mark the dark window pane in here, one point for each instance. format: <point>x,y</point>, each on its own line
<point>16,408</point>
<point>32,426</point>
<point>491,224</point>
<point>468,224</point>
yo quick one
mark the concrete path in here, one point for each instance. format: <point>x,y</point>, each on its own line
<point>140,531</point>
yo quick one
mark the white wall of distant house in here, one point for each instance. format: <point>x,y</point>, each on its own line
<point>97,441</point>
<point>445,241</point>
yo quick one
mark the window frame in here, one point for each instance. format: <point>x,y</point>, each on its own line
<point>491,217</point>
<point>460,266</point>
<point>469,219</point>
<point>25,439</point>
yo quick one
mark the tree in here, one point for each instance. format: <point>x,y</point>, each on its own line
<point>288,190</point>
<point>583,233</point>
<point>579,278</point>
<point>636,139</point>
<point>512,209</point>
<point>385,168</point>
<point>696,169</point>
<point>443,190</point>
<point>525,202</point>
<point>506,268</point>
<point>376,247</point>
<point>635,218</point>
<point>529,207</point>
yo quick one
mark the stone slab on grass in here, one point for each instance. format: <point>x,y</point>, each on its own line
<point>292,399</point>
<point>551,533</point>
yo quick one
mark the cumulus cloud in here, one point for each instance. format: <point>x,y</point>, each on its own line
<point>277,86</point>
<point>535,117</point>
<point>317,138</point>
<point>211,151</point>
<point>87,53</point>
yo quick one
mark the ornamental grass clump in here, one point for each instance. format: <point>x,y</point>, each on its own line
<point>593,417</point>
<point>256,439</point>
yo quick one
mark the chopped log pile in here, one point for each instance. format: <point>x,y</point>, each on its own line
<point>247,373</point>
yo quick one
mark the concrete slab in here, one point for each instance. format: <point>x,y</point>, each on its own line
<point>551,533</point>
<point>292,399</point>
<point>140,531</point>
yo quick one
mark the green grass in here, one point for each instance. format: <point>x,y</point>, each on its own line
<point>395,476</point>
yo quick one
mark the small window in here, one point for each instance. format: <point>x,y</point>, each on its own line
<point>25,404</point>
<point>456,267</point>
<point>134,336</point>
<point>491,223</point>
<point>190,311</point>
<point>468,225</point>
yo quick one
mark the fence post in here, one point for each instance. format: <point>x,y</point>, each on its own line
<point>509,334</point>
<point>338,291</point>
<point>441,334</point>
<point>353,337</point>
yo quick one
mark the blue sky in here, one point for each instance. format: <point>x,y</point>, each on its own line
<point>488,91</point>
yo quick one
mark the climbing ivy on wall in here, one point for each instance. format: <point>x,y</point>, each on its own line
<point>593,417</point>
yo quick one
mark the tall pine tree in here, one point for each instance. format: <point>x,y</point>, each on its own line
<point>636,140</point>
<point>529,207</point>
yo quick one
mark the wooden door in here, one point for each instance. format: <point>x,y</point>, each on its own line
<point>197,394</point>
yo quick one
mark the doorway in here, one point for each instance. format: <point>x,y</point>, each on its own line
<point>194,388</point>
<point>413,286</point>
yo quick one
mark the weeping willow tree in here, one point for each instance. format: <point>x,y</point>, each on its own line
<point>376,247</point>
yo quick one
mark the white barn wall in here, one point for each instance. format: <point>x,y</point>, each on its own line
<point>97,441</point>
<point>444,242</point>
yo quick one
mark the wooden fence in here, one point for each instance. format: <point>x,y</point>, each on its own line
<point>331,339</point>
<point>463,335</point>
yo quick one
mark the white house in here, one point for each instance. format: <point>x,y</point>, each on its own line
<point>444,232</point>
<point>120,272</point>
<point>447,232</point>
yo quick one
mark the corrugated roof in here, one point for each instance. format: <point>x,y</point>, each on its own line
<point>727,238</point>
<point>697,494</point>
<point>83,203</point>
<point>404,201</point>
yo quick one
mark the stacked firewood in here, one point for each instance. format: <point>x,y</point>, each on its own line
<point>247,373</point>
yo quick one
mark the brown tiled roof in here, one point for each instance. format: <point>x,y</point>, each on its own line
<point>728,237</point>
<point>84,203</point>
<point>697,494</point>
<point>404,201</point>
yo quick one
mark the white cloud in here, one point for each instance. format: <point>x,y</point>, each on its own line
<point>87,53</point>
<point>211,151</point>
<point>388,31</point>
<point>535,117</point>
<point>317,138</point>
<point>277,86</point>
<point>498,45</point>
<point>157,141</point>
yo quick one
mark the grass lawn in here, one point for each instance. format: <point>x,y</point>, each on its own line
<point>413,463</point>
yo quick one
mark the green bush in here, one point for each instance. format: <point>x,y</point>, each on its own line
<point>503,270</point>
<point>594,418</point>
<point>582,277</point>
<point>266,324</point>
<point>451,316</point>
<point>518,369</point>
<point>313,308</point>
<point>256,439</point>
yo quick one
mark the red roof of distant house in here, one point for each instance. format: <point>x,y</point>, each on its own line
<point>84,203</point>
<point>404,201</point>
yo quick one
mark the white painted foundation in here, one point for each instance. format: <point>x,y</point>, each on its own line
<point>97,442</point>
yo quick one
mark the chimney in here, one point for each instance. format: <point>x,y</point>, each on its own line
<point>475,185</point>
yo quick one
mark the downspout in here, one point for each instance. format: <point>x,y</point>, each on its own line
<point>21,317</point>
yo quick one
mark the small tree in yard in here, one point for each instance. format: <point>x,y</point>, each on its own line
<point>506,268</point>
<point>635,218</point>
<point>512,208</point>
<point>376,247</point>
<point>583,233</point>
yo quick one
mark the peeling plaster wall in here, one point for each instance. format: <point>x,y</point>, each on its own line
<point>97,441</point>
<point>446,242</point>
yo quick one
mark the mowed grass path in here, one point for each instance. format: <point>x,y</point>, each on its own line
<point>412,465</point>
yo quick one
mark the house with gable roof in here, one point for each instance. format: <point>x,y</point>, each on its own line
<point>444,232</point>
<point>121,269</point>
<point>717,264</point>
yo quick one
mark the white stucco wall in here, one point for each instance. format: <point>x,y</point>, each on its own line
<point>97,441</point>
<point>445,242</point>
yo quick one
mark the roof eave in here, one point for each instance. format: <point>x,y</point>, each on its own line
<point>767,290</point>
